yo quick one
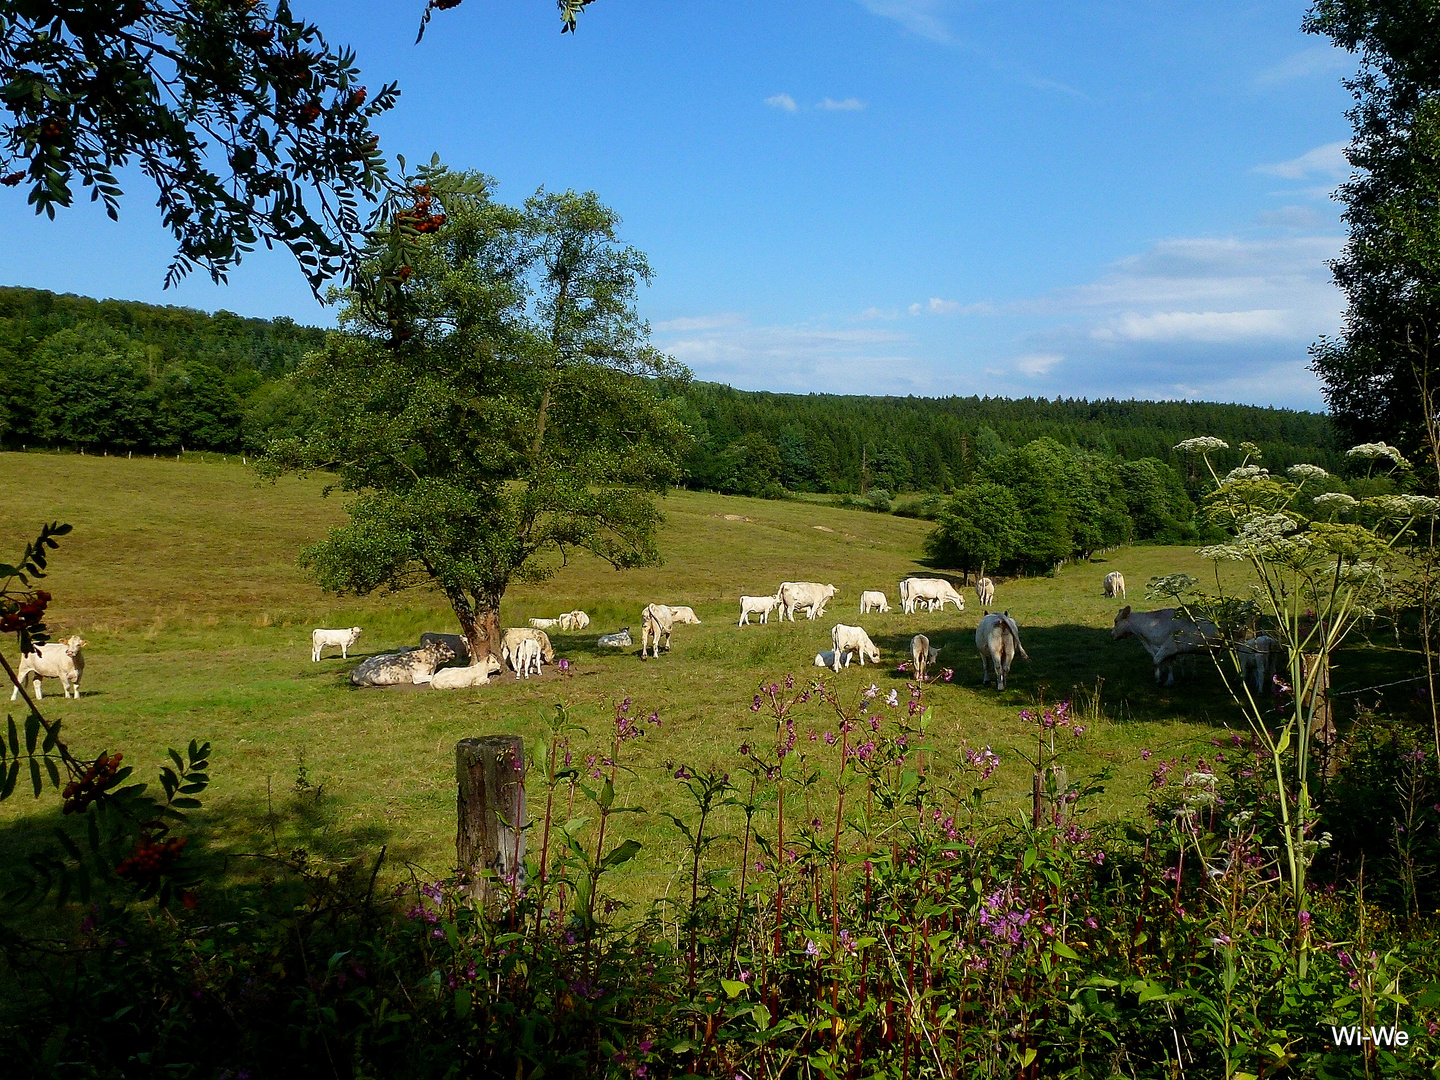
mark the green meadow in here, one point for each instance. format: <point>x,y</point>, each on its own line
<point>183,578</point>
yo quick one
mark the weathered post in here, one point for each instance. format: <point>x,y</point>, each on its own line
<point>490,807</point>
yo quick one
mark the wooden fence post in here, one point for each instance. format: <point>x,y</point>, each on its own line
<point>490,809</point>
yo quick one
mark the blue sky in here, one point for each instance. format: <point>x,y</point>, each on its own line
<point>872,196</point>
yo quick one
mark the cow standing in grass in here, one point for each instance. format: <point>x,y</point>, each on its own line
<point>997,640</point>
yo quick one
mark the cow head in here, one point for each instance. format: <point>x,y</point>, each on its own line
<point>1122,623</point>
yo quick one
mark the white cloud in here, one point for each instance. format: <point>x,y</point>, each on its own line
<point>1327,160</point>
<point>1034,364</point>
<point>921,17</point>
<point>1212,327</point>
<point>937,306</point>
<point>783,102</point>
<point>703,322</point>
<point>848,104</point>
<point>1294,218</point>
<point>1317,60</point>
<point>799,358</point>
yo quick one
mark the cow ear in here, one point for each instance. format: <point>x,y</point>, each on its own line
<point>1125,612</point>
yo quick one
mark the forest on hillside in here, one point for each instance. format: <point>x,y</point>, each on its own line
<point>116,375</point>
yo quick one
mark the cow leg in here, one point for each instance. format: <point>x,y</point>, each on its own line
<point>39,693</point>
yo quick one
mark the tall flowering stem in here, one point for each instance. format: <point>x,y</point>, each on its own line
<point>1320,561</point>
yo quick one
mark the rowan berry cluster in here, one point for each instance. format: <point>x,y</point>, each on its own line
<point>89,786</point>
<point>418,216</point>
<point>149,860</point>
<point>17,615</point>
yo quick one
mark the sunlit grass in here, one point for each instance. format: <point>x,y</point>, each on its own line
<point>183,578</point>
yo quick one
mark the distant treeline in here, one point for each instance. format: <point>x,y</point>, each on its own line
<point>93,374</point>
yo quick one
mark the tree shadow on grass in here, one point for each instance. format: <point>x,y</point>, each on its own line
<point>1076,662</point>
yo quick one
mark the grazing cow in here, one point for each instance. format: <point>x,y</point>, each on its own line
<point>997,640</point>
<point>527,658</point>
<point>408,666</point>
<point>510,644</point>
<point>872,601</point>
<point>985,590</point>
<point>684,616</point>
<point>756,605</point>
<point>809,595</point>
<point>1165,636</point>
<point>458,645</point>
<point>341,639</point>
<point>931,590</point>
<point>1114,585</point>
<point>619,640</point>
<point>923,653</point>
<point>61,660</point>
<point>850,641</point>
<point>1258,658</point>
<point>544,624</point>
<point>460,678</point>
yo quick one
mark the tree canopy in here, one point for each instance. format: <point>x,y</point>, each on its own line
<point>1376,371</point>
<point>493,406</point>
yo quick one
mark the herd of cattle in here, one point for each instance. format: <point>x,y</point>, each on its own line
<point>444,661</point>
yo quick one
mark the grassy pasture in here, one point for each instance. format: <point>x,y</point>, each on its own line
<point>183,578</point>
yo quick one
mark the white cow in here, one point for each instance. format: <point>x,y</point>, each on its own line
<point>850,641</point>
<point>660,619</point>
<point>572,621</point>
<point>527,658</point>
<point>544,624</point>
<point>1258,658</point>
<point>809,595</point>
<point>997,640</point>
<point>344,640</point>
<point>1115,585</point>
<point>460,678</point>
<point>1165,636</point>
<point>54,660</point>
<point>756,605</point>
<point>407,666</point>
<point>619,640</point>
<point>923,654</point>
<point>934,591</point>
<point>985,591</point>
<point>873,601</point>
<point>513,636</point>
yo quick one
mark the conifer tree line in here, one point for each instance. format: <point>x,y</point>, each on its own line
<point>77,373</point>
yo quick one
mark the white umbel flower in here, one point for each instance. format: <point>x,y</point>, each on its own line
<point>1307,472</point>
<point>1203,444</point>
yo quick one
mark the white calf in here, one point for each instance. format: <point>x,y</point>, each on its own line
<point>55,660</point>
<point>459,678</point>
<point>923,654</point>
<point>527,658</point>
<point>852,640</point>
<point>756,605</point>
<point>985,591</point>
<point>343,640</point>
<point>1115,584</point>
<point>872,601</point>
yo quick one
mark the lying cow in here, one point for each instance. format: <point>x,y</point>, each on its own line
<point>810,595</point>
<point>985,591</point>
<point>1114,585</point>
<point>997,640</point>
<point>618,640</point>
<point>460,678</point>
<point>544,624</point>
<point>825,659</point>
<point>61,660</point>
<point>756,605</point>
<point>457,643</point>
<point>1165,635</point>
<point>344,640</point>
<point>408,666</point>
<point>923,654</point>
<point>934,591</point>
<point>873,601</point>
<point>848,641</point>
<point>572,621</point>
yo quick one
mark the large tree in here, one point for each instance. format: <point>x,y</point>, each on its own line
<point>253,128</point>
<point>490,402</point>
<point>1378,370</point>
<point>980,528</point>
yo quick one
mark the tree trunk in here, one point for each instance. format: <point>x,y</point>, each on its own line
<point>481,629</point>
<point>490,813</point>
